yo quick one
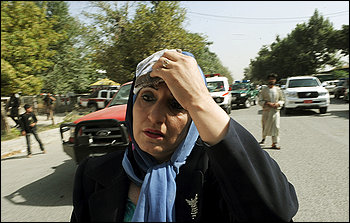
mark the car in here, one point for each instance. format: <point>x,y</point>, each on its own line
<point>97,99</point>
<point>244,93</point>
<point>346,95</point>
<point>330,85</point>
<point>99,132</point>
<point>339,90</point>
<point>305,92</point>
<point>220,91</point>
<point>281,83</point>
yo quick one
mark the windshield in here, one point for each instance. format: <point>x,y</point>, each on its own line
<point>303,83</point>
<point>122,96</point>
<point>215,86</point>
<point>239,86</point>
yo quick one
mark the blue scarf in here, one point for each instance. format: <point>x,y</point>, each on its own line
<point>158,187</point>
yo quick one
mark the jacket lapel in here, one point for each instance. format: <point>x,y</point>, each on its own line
<point>189,192</point>
<point>109,200</point>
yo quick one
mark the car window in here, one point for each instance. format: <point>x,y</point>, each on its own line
<point>122,96</point>
<point>215,86</point>
<point>303,83</point>
<point>240,86</point>
<point>94,94</point>
<point>104,94</point>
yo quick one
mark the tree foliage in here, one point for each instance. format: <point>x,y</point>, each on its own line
<point>152,28</point>
<point>73,69</point>
<point>25,38</point>
<point>44,49</point>
<point>307,49</point>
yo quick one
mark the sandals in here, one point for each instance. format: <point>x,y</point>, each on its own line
<point>275,147</point>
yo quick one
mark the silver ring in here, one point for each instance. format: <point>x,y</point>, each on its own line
<point>165,63</point>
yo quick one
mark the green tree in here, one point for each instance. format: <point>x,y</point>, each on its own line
<point>155,26</point>
<point>25,38</point>
<point>211,64</point>
<point>339,40</point>
<point>73,70</point>
<point>304,51</point>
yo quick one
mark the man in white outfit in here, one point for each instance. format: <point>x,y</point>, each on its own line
<point>271,99</point>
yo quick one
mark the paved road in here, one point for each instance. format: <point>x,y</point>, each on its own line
<point>314,157</point>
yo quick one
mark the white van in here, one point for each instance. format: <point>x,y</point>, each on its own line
<point>220,91</point>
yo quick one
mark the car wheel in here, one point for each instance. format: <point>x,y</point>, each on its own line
<point>323,110</point>
<point>247,103</point>
<point>256,100</point>
<point>336,95</point>
<point>287,111</point>
<point>228,109</point>
<point>93,107</point>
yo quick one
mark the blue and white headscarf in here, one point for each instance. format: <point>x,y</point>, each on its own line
<point>158,188</point>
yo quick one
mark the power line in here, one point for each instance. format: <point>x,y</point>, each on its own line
<point>252,22</point>
<point>247,18</point>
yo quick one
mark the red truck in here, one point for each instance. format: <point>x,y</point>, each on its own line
<point>99,132</point>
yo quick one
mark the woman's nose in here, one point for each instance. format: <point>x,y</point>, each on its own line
<point>157,113</point>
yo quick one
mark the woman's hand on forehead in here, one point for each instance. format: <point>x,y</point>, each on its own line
<point>182,77</point>
<point>185,82</point>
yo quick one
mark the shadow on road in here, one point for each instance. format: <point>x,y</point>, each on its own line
<point>53,190</point>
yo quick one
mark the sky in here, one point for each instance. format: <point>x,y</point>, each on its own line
<point>239,29</point>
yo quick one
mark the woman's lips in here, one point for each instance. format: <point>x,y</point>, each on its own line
<point>154,134</point>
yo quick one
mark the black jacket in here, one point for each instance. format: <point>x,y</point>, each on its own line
<point>25,120</point>
<point>235,180</point>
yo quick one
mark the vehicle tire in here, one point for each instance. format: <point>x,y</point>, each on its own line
<point>323,110</point>
<point>247,103</point>
<point>93,107</point>
<point>228,109</point>
<point>256,100</point>
<point>287,111</point>
<point>336,95</point>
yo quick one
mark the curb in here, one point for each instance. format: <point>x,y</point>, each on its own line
<point>9,154</point>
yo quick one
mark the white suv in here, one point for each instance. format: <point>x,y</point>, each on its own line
<point>305,92</point>
<point>220,91</point>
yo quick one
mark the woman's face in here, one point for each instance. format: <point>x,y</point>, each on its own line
<point>159,122</point>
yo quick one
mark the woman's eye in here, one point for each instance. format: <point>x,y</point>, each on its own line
<point>147,97</point>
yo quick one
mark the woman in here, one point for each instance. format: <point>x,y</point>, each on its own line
<point>187,160</point>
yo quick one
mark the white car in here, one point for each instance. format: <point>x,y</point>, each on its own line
<point>330,85</point>
<point>305,92</point>
<point>220,91</point>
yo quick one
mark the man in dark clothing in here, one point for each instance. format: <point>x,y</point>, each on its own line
<point>48,101</point>
<point>28,122</point>
<point>13,105</point>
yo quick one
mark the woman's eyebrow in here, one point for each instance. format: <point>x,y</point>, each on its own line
<point>152,86</point>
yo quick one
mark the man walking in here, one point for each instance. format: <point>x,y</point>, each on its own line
<point>13,105</point>
<point>28,122</point>
<point>271,99</point>
<point>48,101</point>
